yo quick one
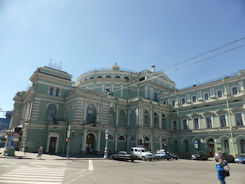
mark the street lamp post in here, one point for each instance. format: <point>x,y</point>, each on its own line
<point>106,135</point>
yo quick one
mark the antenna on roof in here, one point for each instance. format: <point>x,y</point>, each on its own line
<point>54,65</point>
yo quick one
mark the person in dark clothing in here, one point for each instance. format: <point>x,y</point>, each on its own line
<point>40,152</point>
<point>25,149</point>
<point>220,170</point>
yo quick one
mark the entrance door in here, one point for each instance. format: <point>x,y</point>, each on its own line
<point>52,144</point>
<point>211,147</point>
<point>90,144</point>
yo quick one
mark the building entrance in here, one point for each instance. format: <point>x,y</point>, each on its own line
<point>90,144</point>
<point>211,147</point>
<point>52,144</point>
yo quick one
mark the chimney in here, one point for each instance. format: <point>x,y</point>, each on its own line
<point>153,68</point>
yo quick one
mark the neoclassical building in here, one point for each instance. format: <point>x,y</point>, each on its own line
<point>138,109</point>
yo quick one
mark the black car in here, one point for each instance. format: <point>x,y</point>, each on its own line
<point>199,156</point>
<point>225,156</point>
<point>123,155</point>
<point>173,156</point>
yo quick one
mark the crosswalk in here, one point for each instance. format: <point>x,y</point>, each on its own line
<point>37,172</point>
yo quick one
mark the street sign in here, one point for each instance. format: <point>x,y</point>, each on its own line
<point>196,144</point>
<point>106,132</point>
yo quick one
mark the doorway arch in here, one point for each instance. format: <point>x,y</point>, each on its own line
<point>211,147</point>
<point>90,143</point>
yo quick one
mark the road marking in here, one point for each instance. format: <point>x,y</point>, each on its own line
<point>90,165</point>
<point>34,174</point>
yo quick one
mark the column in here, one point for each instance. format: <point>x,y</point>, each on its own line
<point>128,142</point>
<point>116,142</point>
<point>128,112</point>
<point>98,145</point>
<point>151,117</point>
<point>160,120</point>
<point>121,91</point>
<point>117,116</point>
<point>160,142</point>
<point>151,143</point>
<point>84,140</point>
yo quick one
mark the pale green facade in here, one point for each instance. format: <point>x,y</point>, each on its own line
<point>138,109</point>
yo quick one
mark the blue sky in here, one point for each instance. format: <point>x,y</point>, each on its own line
<point>89,34</point>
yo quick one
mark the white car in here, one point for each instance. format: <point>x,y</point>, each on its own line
<point>141,153</point>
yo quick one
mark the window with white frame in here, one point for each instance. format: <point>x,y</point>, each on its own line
<point>208,122</point>
<point>234,90</point>
<point>51,91</point>
<point>174,125</point>
<point>194,99</point>
<point>205,96</point>
<point>164,122</point>
<point>51,112</point>
<point>173,103</point>
<point>183,101</point>
<point>219,93</point>
<point>155,120</point>
<point>196,123</point>
<point>146,119</point>
<point>185,127</point>
<point>238,119</point>
<point>57,92</point>
<point>222,119</point>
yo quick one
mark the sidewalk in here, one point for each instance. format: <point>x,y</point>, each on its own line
<point>22,155</point>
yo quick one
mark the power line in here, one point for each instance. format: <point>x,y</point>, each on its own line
<point>206,52</point>
<point>182,67</point>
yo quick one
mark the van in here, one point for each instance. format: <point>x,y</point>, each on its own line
<point>141,153</point>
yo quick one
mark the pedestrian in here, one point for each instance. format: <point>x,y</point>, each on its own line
<point>221,171</point>
<point>40,152</point>
<point>25,149</point>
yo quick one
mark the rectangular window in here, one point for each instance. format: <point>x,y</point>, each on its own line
<point>238,118</point>
<point>183,100</point>
<point>173,103</point>
<point>209,122</point>
<point>234,90</point>
<point>194,99</point>
<point>196,123</point>
<point>174,125</point>
<point>222,120</point>
<point>206,96</point>
<point>220,94</point>
<point>185,124</point>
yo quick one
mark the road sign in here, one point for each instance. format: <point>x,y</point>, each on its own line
<point>106,132</point>
<point>196,144</point>
<point>106,136</point>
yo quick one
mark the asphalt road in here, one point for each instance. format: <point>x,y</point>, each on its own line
<point>29,171</point>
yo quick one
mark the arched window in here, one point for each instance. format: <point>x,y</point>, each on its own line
<point>147,139</point>
<point>111,118</point>
<point>100,77</point>
<point>186,146</point>
<point>108,76</point>
<point>51,90</point>
<point>110,137</point>
<point>91,78</point>
<point>121,138</point>
<point>226,146</point>
<point>146,119</point>
<point>91,113</point>
<point>57,92</point>
<point>51,112</point>
<point>242,145</point>
<point>117,77</point>
<point>164,122</point>
<point>156,123</point>
<point>122,118</point>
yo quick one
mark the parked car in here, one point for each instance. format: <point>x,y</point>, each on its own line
<point>240,159</point>
<point>228,157</point>
<point>123,155</point>
<point>141,153</point>
<point>173,156</point>
<point>199,156</point>
<point>163,154</point>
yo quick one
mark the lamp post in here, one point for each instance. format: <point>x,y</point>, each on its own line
<point>106,134</point>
